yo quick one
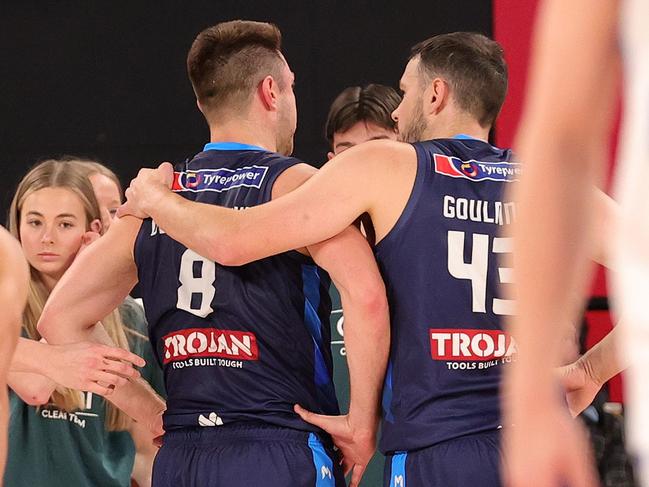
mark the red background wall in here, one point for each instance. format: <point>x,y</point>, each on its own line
<point>513,26</point>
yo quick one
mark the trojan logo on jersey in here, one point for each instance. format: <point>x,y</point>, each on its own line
<point>218,180</point>
<point>477,345</point>
<point>477,170</point>
<point>210,342</point>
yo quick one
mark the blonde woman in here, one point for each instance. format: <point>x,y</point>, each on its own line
<point>58,435</point>
<point>108,191</point>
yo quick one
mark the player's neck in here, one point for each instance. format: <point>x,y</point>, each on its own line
<point>244,132</point>
<point>458,125</point>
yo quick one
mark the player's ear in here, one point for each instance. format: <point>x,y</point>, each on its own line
<point>268,92</point>
<point>436,96</point>
<point>330,155</point>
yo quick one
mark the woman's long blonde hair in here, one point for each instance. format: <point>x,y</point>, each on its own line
<point>64,174</point>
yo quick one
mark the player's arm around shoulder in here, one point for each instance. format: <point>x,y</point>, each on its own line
<point>364,179</point>
<point>96,283</point>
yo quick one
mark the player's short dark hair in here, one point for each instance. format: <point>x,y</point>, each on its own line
<point>372,103</point>
<point>228,60</point>
<point>473,65</point>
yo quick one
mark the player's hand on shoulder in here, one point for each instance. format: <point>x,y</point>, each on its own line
<point>92,367</point>
<point>357,445</point>
<point>145,190</point>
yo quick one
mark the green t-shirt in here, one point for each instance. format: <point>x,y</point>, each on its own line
<point>54,448</point>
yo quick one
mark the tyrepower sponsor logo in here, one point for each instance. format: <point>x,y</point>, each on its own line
<point>476,170</point>
<point>210,342</point>
<point>219,180</point>
<point>470,345</point>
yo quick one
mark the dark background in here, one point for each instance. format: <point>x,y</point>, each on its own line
<point>107,79</point>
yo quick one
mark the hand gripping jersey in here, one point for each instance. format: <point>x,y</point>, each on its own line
<point>443,271</point>
<point>237,344</point>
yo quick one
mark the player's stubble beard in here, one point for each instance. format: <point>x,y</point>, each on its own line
<point>285,144</point>
<point>414,131</point>
<point>285,131</point>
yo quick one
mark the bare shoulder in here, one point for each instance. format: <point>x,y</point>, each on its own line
<point>374,162</point>
<point>292,178</point>
<point>378,152</point>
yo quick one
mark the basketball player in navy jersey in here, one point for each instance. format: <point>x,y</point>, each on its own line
<point>579,49</point>
<point>438,210</point>
<point>241,345</point>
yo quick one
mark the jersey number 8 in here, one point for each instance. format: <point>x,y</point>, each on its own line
<point>196,292</point>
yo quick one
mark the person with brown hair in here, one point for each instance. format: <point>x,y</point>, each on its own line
<point>438,209</point>
<point>359,114</point>
<point>240,345</point>
<point>53,423</point>
<point>107,188</point>
<point>14,278</point>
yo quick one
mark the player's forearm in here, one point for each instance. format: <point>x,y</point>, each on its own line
<point>95,284</point>
<point>232,237</point>
<point>136,398</point>
<point>367,345</point>
<point>145,452</point>
<point>31,356</point>
<point>552,241</point>
<point>607,213</point>
<point>143,469</point>
<point>34,389</point>
<point>209,230</point>
<point>562,147</point>
<point>602,362</point>
<point>139,401</point>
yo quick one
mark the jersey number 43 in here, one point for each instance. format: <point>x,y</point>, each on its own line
<point>476,270</point>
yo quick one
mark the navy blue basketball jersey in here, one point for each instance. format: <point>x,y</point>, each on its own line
<point>443,270</point>
<point>237,344</point>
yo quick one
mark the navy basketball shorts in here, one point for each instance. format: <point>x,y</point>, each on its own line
<point>468,461</point>
<point>251,456</point>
